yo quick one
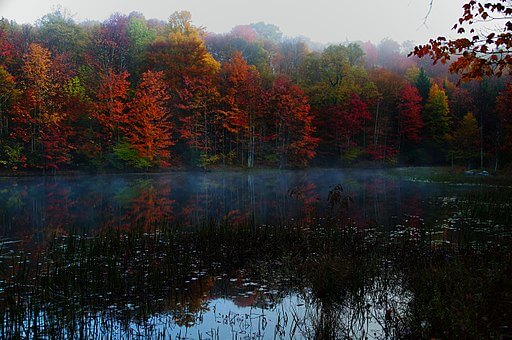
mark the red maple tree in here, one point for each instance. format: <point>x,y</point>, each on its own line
<point>410,122</point>
<point>110,108</point>
<point>294,140</point>
<point>347,121</point>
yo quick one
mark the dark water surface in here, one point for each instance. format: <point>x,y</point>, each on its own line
<point>242,255</point>
<point>35,206</point>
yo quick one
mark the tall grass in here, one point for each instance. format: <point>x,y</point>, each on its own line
<point>356,282</point>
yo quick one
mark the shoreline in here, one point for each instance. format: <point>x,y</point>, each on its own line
<point>434,174</point>
<point>178,169</point>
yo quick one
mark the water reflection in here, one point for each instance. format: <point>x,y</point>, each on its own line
<point>280,254</point>
<point>237,282</point>
<point>41,207</point>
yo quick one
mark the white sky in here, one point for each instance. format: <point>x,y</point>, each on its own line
<point>321,20</point>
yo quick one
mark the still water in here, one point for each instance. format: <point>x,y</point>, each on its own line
<point>91,275</point>
<point>36,206</point>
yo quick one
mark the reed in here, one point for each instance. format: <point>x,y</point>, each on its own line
<point>352,282</point>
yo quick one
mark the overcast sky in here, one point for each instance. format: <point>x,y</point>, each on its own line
<point>321,20</point>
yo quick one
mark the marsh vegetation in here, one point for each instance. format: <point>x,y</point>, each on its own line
<point>333,255</point>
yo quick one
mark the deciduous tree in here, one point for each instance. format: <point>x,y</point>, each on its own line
<point>150,132</point>
<point>38,115</point>
<point>8,93</point>
<point>384,141</point>
<point>346,123</point>
<point>244,101</point>
<point>182,53</point>
<point>294,140</point>
<point>58,32</point>
<point>465,140</point>
<point>410,122</point>
<point>437,114</point>
<point>112,45</point>
<point>200,120</point>
<point>110,108</point>
<point>38,90</point>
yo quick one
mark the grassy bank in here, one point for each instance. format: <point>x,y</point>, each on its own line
<point>454,175</point>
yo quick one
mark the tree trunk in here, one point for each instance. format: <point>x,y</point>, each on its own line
<point>250,155</point>
<point>375,128</point>
<point>481,141</point>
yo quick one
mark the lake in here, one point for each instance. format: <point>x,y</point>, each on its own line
<point>244,255</point>
<point>86,203</point>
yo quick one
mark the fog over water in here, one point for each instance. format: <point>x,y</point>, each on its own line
<point>87,203</point>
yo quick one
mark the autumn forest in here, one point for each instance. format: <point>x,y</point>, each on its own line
<point>159,181</point>
<point>132,93</point>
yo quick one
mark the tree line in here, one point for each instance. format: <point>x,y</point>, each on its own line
<point>136,93</point>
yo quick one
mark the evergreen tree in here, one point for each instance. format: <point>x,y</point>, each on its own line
<point>423,85</point>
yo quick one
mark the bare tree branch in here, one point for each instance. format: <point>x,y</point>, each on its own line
<point>428,13</point>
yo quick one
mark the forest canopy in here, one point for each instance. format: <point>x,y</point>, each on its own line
<point>137,93</point>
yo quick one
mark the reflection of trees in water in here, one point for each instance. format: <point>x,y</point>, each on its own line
<point>131,275</point>
<point>373,199</point>
<point>55,208</point>
<point>59,212</point>
<point>353,283</point>
<point>305,193</point>
<point>148,202</point>
<point>371,307</point>
<point>41,208</point>
<point>36,214</point>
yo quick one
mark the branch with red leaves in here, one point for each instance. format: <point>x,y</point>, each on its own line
<point>477,54</point>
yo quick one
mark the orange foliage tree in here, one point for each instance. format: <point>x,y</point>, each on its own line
<point>40,122</point>
<point>189,72</point>
<point>150,132</point>
<point>244,101</point>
